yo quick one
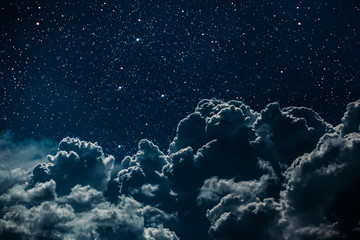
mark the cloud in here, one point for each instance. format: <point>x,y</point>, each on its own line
<point>42,221</point>
<point>239,210</point>
<point>149,189</point>
<point>85,194</point>
<point>11,177</point>
<point>229,173</point>
<point>64,199</point>
<point>234,219</point>
<point>19,156</point>
<point>214,141</point>
<point>61,218</point>
<point>351,119</point>
<point>159,234</point>
<point>285,134</point>
<point>213,119</point>
<point>24,154</point>
<point>322,190</point>
<point>40,192</point>
<point>142,176</point>
<point>214,188</point>
<point>76,162</point>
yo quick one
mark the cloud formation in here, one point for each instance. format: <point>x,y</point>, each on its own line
<point>230,173</point>
<point>321,194</point>
<point>64,199</point>
<point>76,162</point>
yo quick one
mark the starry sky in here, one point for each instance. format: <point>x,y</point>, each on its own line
<point>119,71</point>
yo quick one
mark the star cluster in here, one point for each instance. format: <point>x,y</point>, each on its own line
<point>118,71</point>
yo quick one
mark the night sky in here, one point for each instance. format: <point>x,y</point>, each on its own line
<point>115,72</point>
<point>119,71</point>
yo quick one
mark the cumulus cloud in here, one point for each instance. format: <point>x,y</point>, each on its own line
<point>351,119</point>
<point>214,189</point>
<point>64,198</point>
<point>62,219</point>
<point>76,162</point>
<point>322,190</point>
<point>149,189</point>
<point>41,221</point>
<point>143,176</point>
<point>159,234</point>
<point>229,173</point>
<point>85,194</point>
<point>220,146</point>
<point>234,219</point>
<point>285,134</point>
<point>40,192</point>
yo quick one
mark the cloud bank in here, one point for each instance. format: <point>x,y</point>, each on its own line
<point>229,173</point>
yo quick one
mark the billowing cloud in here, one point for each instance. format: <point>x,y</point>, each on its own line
<point>351,119</point>
<point>85,194</point>
<point>76,162</point>
<point>64,199</point>
<point>285,134</point>
<point>322,190</point>
<point>159,234</point>
<point>229,173</point>
<point>214,188</point>
<point>234,218</point>
<point>40,192</point>
<point>142,176</point>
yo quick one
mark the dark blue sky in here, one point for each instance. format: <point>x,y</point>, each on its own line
<point>119,71</point>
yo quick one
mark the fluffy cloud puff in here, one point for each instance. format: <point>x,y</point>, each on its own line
<point>322,191</point>
<point>40,192</point>
<point>230,173</point>
<point>351,119</point>
<point>215,140</point>
<point>285,134</point>
<point>76,162</point>
<point>142,176</point>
